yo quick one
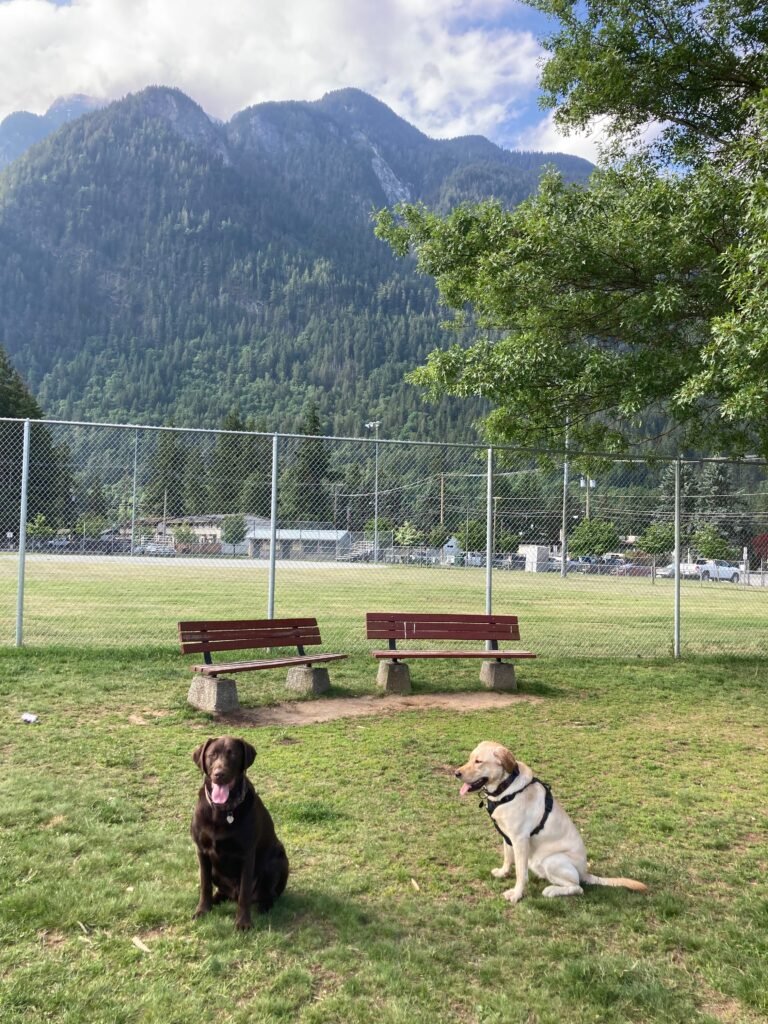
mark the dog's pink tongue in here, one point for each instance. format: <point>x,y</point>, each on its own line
<point>464,789</point>
<point>219,794</point>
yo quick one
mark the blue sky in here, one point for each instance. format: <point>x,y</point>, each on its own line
<point>451,67</point>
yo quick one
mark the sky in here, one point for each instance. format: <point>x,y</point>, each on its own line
<point>450,67</point>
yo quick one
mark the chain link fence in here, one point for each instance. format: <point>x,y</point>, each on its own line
<point>111,534</point>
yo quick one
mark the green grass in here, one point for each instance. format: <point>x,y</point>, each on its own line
<point>662,765</point>
<point>117,601</point>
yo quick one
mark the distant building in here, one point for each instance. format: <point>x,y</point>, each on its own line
<point>298,542</point>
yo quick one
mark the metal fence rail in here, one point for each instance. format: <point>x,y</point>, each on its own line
<point>112,533</point>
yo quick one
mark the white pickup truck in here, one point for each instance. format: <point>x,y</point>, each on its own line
<point>710,569</point>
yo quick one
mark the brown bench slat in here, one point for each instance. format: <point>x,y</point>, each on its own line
<point>444,631</point>
<point>246,634</point>
<point>245,643</point>
<point>217,624</point>
<point>397,654</point>
<point>449,626</point>
<point>250,634</point>
<point>456,627</point>
<point>251,666</point>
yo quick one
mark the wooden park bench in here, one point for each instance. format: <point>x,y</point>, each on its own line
<point>459,628</point>
<point>211,690</point>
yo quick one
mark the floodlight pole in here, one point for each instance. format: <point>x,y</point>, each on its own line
<point>23,535</point>
<point>676,641</point>
<point>564,545</point>
<point>272,532</point>
<point>489,539</point>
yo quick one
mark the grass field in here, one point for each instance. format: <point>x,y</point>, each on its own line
<point>100,601</point>
<point>391,914</point>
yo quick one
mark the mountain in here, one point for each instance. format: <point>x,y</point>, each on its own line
<point>21,130</point>
<point>158,266</point>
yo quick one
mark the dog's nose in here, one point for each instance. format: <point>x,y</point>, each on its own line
<point>457,774</point>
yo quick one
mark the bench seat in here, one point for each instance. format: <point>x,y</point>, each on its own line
<point>212,690</point>
<point>398,653</point>
<point>252,666</point>
<point>454,628</point>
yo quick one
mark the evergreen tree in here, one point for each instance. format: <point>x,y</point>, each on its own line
<point>164,492</point>
<point>720,506</point>
<point>50,474</point>
<point>305,491</point>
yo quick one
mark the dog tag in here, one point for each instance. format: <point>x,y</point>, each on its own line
<point>230,818</point>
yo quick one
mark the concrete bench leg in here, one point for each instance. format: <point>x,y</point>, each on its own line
<point>213,693</point>
<point>498,675</point>
<point>308,679</point>
<point>394,677</point>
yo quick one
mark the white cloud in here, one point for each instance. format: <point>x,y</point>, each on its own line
<point>546,137</point>
<point>451,67</point>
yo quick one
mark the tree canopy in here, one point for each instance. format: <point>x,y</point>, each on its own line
<point>635,305</point>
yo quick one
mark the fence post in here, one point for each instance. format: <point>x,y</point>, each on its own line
<point>23,535</point>
<point>133,496</point>
<point>564,544</point>
<point>273,533</point>
<point>489,537</point>
<point>676,643</point>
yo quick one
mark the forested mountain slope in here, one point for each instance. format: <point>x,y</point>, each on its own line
<point>159,267</point>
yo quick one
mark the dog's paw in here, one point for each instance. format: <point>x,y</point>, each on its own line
<point>242,924</point>
<point>512,895</point>
<point>202,908</point>
<point>499,872</point>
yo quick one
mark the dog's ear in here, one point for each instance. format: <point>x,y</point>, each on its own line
<point>506,759</point>
<point>199,755</point>
<point>249,754</point>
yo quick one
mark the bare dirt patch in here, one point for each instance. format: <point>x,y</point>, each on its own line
<point>331,708</point>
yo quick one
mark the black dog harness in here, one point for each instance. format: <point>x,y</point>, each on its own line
<point>491,804</point>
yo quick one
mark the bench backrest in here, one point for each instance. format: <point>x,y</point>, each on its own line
<point>244,634</point>
<point>441,626</point>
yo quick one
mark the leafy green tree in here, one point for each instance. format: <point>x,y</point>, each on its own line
<point>471,535</point>
<point>593,537</point>
<point>438,536</point>
<point>645,291</point>
<point>691,66</point>
<point>658,539</point>
<point>407,535</point>
<point>710,543</point>
<point>507,541</point>
<point>184,534</point>
<point>233,531</point>
<point>385,525</point>
<point>38,530</point>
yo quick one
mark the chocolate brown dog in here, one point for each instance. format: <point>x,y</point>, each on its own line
<point>234,834</point>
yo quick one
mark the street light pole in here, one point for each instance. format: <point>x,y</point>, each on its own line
<point>374,425</point>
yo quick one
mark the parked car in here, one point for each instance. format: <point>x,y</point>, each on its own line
<point>160,550</point>
<point>509,562</point>
<point>59,543</point>
<point>703,569</point>
<point>716,569</point>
